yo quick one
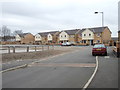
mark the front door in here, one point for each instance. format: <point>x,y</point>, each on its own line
<point>91,42</point>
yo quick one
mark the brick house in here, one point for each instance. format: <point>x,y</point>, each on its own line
<point>114,41</point>
<point>41,38</point>
<point>47,37</point>
<point>90,36</point>
<point>68,36</point>
<point>52,37</point>
<point>25,38</point>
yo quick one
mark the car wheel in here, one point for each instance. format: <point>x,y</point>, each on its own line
<point>93,54</point>
<point>105,53</point>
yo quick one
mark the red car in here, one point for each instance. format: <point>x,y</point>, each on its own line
<point>99,49</point>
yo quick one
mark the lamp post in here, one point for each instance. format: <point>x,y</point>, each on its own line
<point>102,17</point>
<point>102,21</point>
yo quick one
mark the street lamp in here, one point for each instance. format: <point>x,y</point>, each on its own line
<point>102,17</point>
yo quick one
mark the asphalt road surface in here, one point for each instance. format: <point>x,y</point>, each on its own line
<point>71,70</point>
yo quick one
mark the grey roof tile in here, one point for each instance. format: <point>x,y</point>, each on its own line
<point>72,32</point>
<point>23,34</point>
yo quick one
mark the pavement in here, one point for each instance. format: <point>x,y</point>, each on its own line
<point>72,70</point>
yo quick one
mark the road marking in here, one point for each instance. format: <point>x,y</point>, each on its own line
<point>91,78</point>
<point>107,57</point>
<point>21,66</point>
<point>64,64</point>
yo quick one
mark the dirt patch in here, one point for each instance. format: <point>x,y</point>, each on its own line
<point>31,55</point>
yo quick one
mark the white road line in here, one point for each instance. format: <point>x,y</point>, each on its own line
<point>107,57</point>
<point>91,78</point>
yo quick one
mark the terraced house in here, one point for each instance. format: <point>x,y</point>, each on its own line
<point>41,38</point>
<point>25,38</point>
<point>90,36</point>
<point>68,35</point>
<point>52,37</point>
<point>47,37</point>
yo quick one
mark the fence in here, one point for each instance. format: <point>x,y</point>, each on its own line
<point>25,48</point>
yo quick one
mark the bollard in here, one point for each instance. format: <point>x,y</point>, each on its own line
<point>28,49</point>
<point>35,48</point>
<point>8,49</point>
<point>13,49</point>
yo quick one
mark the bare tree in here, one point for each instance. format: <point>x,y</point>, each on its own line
<point>5,33</point>
<point>17,32</point>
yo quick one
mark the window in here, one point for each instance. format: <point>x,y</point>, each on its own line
<point>89,34</point>
<point>61,35</point>
<point>84,34</point>
<point>84,41</point>
<point>98,41</point>
<point>98,46</point>
<point>98,34</point>
<point>72,36</point>
<point>65,35</point>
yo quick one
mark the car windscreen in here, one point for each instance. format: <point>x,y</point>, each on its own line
<point>99,46</point>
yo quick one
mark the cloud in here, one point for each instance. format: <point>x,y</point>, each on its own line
<point>43,15</point>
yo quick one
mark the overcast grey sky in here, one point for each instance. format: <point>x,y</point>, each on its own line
<point>50,15</point>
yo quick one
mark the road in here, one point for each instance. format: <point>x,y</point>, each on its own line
<point>107,75</point>
<point>71,70</point>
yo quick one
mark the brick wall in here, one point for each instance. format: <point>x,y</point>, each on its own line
<point>106,36</point>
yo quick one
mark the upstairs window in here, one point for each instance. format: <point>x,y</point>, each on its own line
<point>98,34</point>
<point>84,34</point>
<point>89,34</point>
<point>65,35</point>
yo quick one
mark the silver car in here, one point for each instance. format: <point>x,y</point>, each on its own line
<point>66,44</point>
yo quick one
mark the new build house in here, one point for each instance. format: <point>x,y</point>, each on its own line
<point>85,36</point>
<point>52,37</point>
<point>41,38</point>
<point>68,35</point>
<point>47,37</point>
<point>25,38</point>
<point>95,35</point>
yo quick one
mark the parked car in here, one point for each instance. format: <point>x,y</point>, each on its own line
<point>99,49</point>
<point>66,44</point>
<point>73,43</point>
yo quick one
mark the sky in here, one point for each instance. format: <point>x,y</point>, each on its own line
<point>36,16</point>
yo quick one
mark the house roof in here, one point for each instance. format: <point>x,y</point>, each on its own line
<point>43,34</point>
<point>71,32</point>
<point>114,38</point>
<point>23,34</point>
<point>97,29</point>
<point>46,33</point>
<point>52,32</point>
